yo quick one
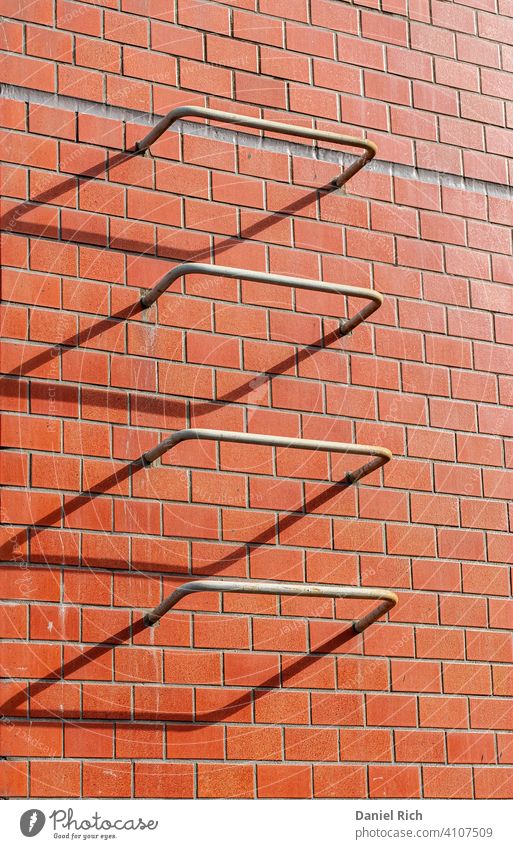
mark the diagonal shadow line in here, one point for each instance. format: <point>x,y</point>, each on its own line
<point>111,161</point>
<point>137,248</point>
<point>74,504</point>
<point>100,649</point>
<point>203,407</point>
<point>12,216</point>
<point>165,407</point>
<point>209,717</point>
<point>38,360</point>
<point>97,651</point>
<point>76,340</point>
<point>9,220</point>
<point>136,465</point>
<point>23,369</point>
<point>285,522</point>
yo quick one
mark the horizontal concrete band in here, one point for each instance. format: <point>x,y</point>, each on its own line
<point>379,166</point>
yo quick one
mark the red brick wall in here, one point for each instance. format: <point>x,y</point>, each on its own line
<point>249,696</point>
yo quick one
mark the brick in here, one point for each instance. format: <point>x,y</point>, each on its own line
<point>497,483</point>
<point>263,743</point>
<point>463,611</point>
<point>333,16</point>
<point>17,70</point>
<point>54,623</point>
<point>306,39</point>
<point>127,93</point>
<point>313,101</point>
<point>482,165</point>
<point>97,696</point>
<point>432,39</point>
<point>391,710</point>
<point>83,739</point>
<point>97,54</point>
<point>493,783</point>
<point>417,541</point>
<point>296,11</point>
<point>314,744</point>
<point>178,41</point>
<point>55,779</point>
<point>334,709</point>
<point>501,680</point>
<point>14,778</point>
<point>32,739</point>
<point>504,748</point>
<point>439,643</point>
<point>337,781</point>
<point>333,76</point>
<point>394,782</point>
<point>265,91</point>
<point>171,703</point>
<point>163,780</point>
<point>452,414</point>
<point>200,741</point>
<point>136,664</point>
<point>299,672</point>
<point>409,409</point>
<point>139,741</point>
<point>285,65</point>
<point>494,714</point>
<point>434,98</point>
<point>227,781</point>
<point>257,28</point>
<point>283,781</point>
<point>478,514</point>
<point>13,37</point>
<point>498,548</point>
<point>483,645</point>
<point>441,712</point>
<point>371,745</point>
<point>487,448</point>
<point>192,667</point>
<point>107,779</point>
<point>477,577</point>
<point>420,746</point>
<point>204,16</point>
<point>127,29</point>
<point>225,632</point>
<point>281,706</point>
<point>465,678</point>
<point>447,782</point>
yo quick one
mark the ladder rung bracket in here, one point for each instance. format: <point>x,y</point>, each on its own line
<point>386,598</point>
<point>380,456</point>
<point>375,298</point>
<point>174,115</point>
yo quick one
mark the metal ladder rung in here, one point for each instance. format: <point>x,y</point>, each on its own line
<point>375,298</point>
<point>380,455</point>
<point>387,598</point>
<point>262,124</point>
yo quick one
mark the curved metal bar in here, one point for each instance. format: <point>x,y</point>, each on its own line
<point>387,598</point>
<point>375,298</point>
<point>262,124</point>
<point>380,456</point>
